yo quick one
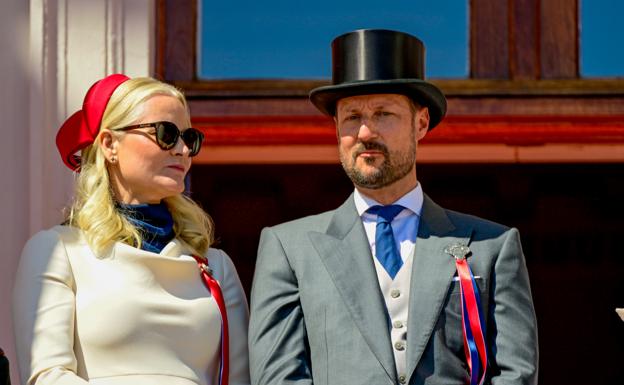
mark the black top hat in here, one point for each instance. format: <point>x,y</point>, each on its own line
<point>378,61</point>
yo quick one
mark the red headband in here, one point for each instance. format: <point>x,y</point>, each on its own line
<point>81,129</point>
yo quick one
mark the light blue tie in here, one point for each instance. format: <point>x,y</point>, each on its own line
<point>385,245</point>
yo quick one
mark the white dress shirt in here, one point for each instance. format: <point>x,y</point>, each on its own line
<point>395,292</point>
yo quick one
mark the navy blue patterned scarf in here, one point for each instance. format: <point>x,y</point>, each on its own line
<point>154,221</point>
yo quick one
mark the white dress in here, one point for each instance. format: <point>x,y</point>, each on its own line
<point>131,317</point>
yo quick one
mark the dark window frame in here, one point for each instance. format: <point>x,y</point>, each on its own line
<point>513,40</point>
<point>524,63</point>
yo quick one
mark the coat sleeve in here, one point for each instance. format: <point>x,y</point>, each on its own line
<point>277,336</point>
<point>44,313</point>
<point>238,321</point>
<point>513,327</point>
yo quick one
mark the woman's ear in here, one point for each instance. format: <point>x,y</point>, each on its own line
<point>109,143</point>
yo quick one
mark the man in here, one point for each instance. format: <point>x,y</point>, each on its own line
<point>389,288</point>
<point>5,379</point>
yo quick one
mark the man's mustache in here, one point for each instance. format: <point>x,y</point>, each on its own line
<point>367,146</point>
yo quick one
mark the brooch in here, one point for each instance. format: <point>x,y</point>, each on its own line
<point>206,269</point>
<point>458,251</point>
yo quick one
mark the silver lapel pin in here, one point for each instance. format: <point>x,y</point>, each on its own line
<point>206,269</point>
<point>457,250</point>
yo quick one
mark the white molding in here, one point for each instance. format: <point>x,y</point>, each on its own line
<point>73,44</point>
<point>53,51</point>
<point>14,156</point>
<point>139,37</point>
<point>114,36</point>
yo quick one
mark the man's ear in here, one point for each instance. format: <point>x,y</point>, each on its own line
<point>337,130</point>
<point>421,122</point>
<point>108,142</point>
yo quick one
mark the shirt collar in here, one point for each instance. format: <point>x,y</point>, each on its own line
<point>413,201</point>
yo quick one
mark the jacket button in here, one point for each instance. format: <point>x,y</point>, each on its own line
<point>395,293</point>
<point>400,345</point>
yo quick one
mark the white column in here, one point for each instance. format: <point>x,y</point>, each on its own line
<point>76,43</point>
<point>14,156</point>
<point>53,50</point>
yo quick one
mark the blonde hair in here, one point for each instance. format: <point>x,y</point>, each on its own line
<point>94,208</point>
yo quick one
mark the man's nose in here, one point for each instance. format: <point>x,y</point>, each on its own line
<point>366,131</point>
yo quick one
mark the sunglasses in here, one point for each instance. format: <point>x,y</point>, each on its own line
<point>167,135</point>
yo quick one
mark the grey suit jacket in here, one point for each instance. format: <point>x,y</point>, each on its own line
<point>318,315</point>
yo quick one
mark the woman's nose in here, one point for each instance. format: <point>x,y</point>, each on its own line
<point>181,148</point>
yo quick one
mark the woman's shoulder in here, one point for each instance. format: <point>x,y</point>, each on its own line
<point>47,251</point>
<point>219,261</point>
<point>56,234</point>
<point>225,272</point>
<point>216,257</point>
<point>47,237</point>
<point>54,240</point>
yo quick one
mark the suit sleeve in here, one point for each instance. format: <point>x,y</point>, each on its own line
<point>513,327</point>
<point>277,337</point>
<point>238,320</point>
<point>44,313</point>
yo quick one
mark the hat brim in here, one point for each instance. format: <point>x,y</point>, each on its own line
<point>422,92</point>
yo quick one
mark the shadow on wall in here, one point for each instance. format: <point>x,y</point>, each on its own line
<point>14,162</point>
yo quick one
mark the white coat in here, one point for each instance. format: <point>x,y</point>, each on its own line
<point>131,317</point>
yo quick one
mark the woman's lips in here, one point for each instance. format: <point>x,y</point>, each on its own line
<point>177,167</point>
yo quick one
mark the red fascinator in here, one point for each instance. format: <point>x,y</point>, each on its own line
<point>81,129</point>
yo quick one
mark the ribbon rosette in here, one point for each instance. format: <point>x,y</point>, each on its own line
<point>473,323</point>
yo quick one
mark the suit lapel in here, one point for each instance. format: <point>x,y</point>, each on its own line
<point>432,274</point>
<point>346,255</point>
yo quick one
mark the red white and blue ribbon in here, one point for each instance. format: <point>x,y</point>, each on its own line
<point>473,323</point>
<point>215,290</point>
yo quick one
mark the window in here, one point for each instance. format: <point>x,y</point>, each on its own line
<point>602,53</point>
<point>290,39</point>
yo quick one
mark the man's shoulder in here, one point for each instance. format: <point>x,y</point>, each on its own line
<point>316,222</point>
<point>478,224</point>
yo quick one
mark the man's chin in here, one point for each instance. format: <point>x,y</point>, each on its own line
<point>368,170</point>
<point>372,179</point>
<point>369,186</point>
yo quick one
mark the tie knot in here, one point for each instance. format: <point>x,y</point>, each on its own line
<point>386,213</point>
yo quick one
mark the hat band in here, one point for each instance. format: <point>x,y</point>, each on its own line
<point>81,128</point>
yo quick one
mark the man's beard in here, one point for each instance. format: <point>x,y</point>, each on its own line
<point>394,167</point>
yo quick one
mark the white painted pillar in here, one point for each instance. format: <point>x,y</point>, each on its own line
<point>76,42</point>
<point>53,50</point>
<point>14,156</point>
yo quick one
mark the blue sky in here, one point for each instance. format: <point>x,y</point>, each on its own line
<point>291,38</point>
<point>602,38</point>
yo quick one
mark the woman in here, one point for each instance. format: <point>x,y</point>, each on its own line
<point>121,293</point>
